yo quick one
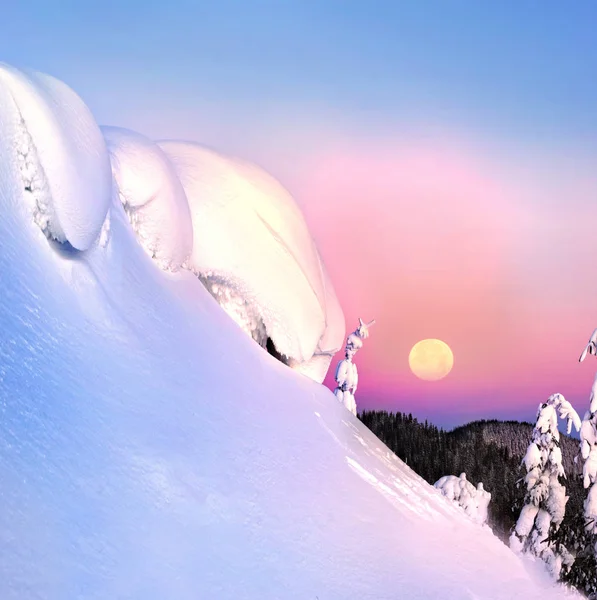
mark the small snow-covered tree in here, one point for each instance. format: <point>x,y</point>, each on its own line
<point>545,500</point>
<point>474,501</point>
<point>347,376</point>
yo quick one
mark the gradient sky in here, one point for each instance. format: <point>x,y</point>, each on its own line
<point>443,152</point>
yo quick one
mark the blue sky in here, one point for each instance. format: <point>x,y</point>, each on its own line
<point>522,68</point>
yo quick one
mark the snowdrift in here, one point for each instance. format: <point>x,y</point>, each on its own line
<point>253,251</point>
<point>61,153</point>
<point>239,230</point>
<point>152,197</point>
<point>149,449</point>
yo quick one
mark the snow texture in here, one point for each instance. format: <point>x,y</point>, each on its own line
<point>64,164</point>
<point>245,237</point>
<point>149,449</point>
<point>545,501</point>
<point>251,238</point>
<point>317,366</point>
<point>474,501</point>
<point>152,196</point>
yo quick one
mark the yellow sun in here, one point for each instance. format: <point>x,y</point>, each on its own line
<point>431,360</point>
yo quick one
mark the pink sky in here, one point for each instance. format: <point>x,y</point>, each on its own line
<point>437,239</point>
<point>486,245</point>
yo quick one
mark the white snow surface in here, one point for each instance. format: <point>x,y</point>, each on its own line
<point>63,158</point>
<point>330,342</point>
<point>250,236</point>
<point>152,195</point>
<point>149,449</point>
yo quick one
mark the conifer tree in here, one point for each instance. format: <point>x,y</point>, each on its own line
<point>545,501</point>
<point>588,452</point>
<point>347,376</point>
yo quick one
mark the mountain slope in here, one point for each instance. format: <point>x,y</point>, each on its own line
<point>515,437</point>
<point>150,449</point>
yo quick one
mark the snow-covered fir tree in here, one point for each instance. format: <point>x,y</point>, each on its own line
<point>588,452</point>
<point>347,376</point>
<point>588,449</point>
<point>588,445</point>
<point>545,500</point>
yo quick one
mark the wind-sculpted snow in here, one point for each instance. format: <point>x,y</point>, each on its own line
<point>149,449</point>
<point>152,196</point>
<point>252,249</point>
<point>64,165</point>
<point>251,240</point>
<point>331,340</point>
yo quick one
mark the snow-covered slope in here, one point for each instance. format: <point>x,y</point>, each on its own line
<point>151,450</point>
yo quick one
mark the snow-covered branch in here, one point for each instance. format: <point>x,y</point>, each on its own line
<point>347,376</point>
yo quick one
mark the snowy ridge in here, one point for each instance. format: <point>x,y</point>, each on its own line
<point>149,449</point>
<point>234,226</point>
